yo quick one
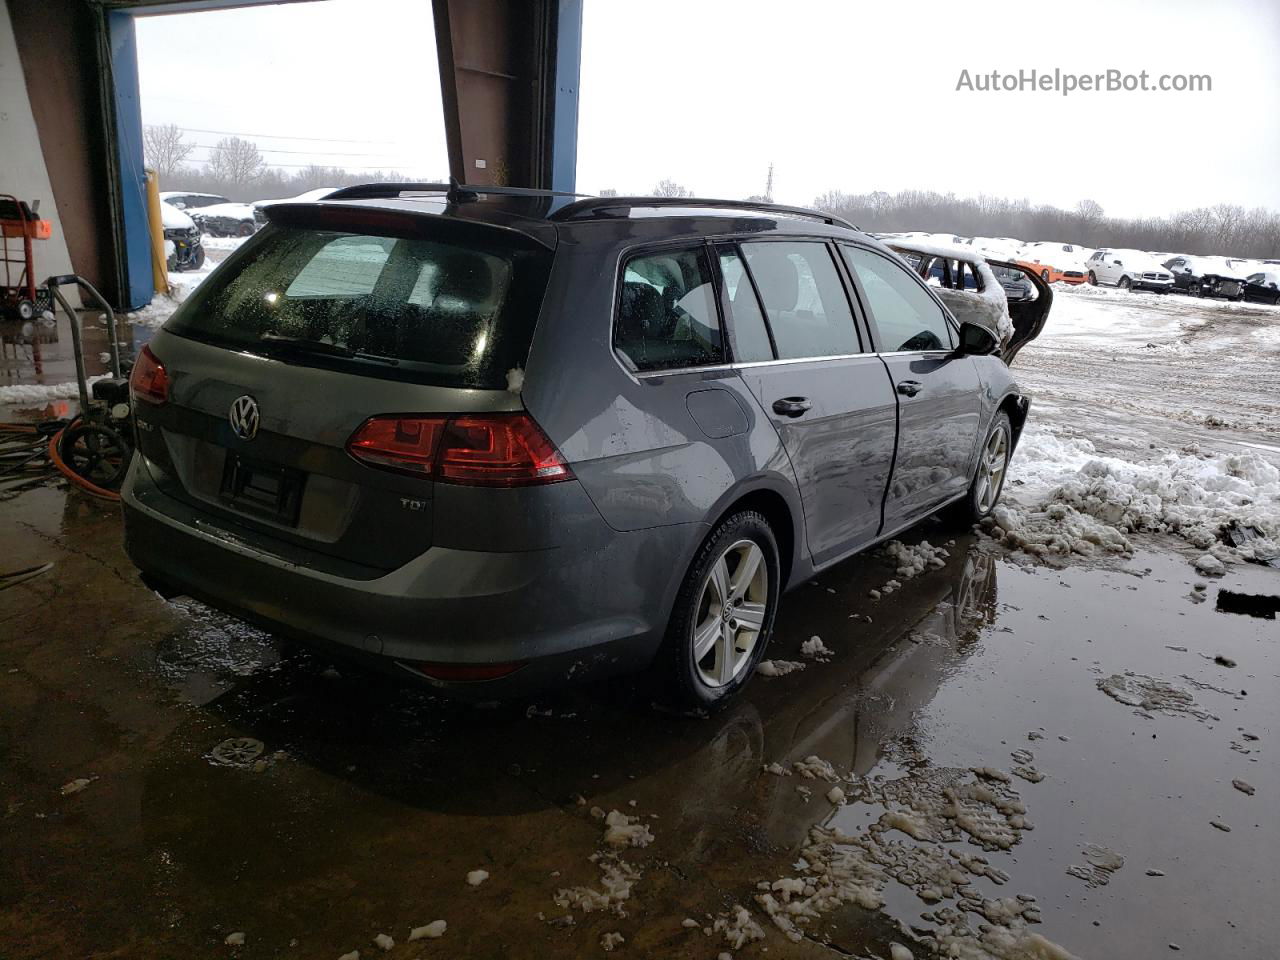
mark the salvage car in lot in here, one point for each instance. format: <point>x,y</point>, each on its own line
<point>183,248</point>
<point>1263,287</point>
<point>1202,277</point>
<point>1054,262</point>
<point>1128,270</point>
<point>494,439</point>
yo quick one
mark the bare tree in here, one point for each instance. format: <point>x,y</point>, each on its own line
<point>608,192</point>
<point>669,188</point>
<point>236,161</point>
<point>1090,215</point>
<point>164,149</point>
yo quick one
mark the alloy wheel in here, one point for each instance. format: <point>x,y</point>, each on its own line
<point>730,614</point>
<point>995,461</point>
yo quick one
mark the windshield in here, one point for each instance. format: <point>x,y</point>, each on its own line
<point>436,311</point>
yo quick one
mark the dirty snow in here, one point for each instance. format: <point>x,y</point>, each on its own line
<point>76,785</point>
<point>431,931</point>
<point>815,649</point>
<point>38,393</point>
<point>617,880</point>
<point>623,831</point>
<point>234,939</point>
<point>383,941</point>
<point>913,845</point>
<point>611,941</point>
<point>778,668</point>
<point>1078,501</point>
<point>477,877</point>
<point>1153,695</point>
<point>815,768</point>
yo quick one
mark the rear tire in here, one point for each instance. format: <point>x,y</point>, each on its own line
<point>1126,284</point>
<point>1044,275</point>
<point>988,480</point>
<point>723,615</point>
<point>1093,279</point>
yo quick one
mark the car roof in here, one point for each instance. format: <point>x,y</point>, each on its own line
<point>546,216</point>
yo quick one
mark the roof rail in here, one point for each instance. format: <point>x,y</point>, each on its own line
<point>455,192</point>
<point>602,206</point>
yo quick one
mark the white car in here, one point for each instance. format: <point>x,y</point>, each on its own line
<point>1129,270</point>
<point>319,193</point>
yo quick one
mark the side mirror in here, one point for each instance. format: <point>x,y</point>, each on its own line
<point>977,340</point>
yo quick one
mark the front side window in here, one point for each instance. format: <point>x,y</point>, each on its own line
<point>904,315</point>
<point>667,315</point>
<point>803,297</point>
<point>746,322</point>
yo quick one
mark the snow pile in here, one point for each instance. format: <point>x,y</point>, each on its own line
<point>815,768</point>
<point>738,927</point>
<point>623,831</point>
<point>431,931</point>
<point>778,668</point>
<point>41,392</point>
<point>931,810</point>
<point>160,309</point>
<point>1078,501</point>
<point>617,878</point>
<point>915,560</point>
<point>815,649</point>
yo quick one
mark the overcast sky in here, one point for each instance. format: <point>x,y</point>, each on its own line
<point>838,96</point>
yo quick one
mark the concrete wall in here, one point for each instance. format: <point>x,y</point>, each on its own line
<point>22,168</point>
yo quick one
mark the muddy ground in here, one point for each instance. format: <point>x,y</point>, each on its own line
<point>369,804</point>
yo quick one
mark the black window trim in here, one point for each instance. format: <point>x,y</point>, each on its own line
<point>735,248</point>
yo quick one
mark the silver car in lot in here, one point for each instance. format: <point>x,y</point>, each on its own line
<point>495,439</point>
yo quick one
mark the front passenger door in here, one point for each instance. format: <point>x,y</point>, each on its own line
<point>939,392</point>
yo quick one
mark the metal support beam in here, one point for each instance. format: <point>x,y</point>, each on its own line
<point>133,231</point>
<point>509,81</point>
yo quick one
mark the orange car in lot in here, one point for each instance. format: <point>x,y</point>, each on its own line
<point>1044,259</point>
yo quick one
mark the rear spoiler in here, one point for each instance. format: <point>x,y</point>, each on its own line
<point>412,221</point>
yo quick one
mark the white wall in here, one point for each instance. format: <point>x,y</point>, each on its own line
<point>22,169</point>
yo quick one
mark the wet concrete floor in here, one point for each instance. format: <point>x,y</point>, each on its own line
<point>370,803</point>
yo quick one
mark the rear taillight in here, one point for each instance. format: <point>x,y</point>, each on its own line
<point>407,444</point>
<point>149,380</point>
<point>479,449</point>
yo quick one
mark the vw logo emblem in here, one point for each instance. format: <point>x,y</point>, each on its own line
<point>244,417</point>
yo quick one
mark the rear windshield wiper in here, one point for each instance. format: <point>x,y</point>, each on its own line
<point>275,341</point>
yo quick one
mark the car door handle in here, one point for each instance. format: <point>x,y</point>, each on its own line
<point>909,388</point>
<point>792,406</point>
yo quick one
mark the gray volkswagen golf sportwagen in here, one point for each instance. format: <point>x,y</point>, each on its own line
<point>495,439</point>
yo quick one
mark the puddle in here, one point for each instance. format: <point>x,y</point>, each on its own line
<point>988,783</point>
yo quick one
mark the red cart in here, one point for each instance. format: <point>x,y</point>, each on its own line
<point>20,299</point>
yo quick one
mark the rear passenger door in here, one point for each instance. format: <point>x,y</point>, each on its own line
<point>939,392</point>
<point>801,353</point>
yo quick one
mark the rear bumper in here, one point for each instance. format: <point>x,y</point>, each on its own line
<point>593,608</point>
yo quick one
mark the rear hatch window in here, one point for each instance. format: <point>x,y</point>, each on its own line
<point>419,300</point>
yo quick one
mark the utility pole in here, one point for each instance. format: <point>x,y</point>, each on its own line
<point>768,185</point>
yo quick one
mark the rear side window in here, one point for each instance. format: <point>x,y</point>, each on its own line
<point>437,311</point>
<point>667,315</point>
<point>803,297</point>
<point>904,315</point>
